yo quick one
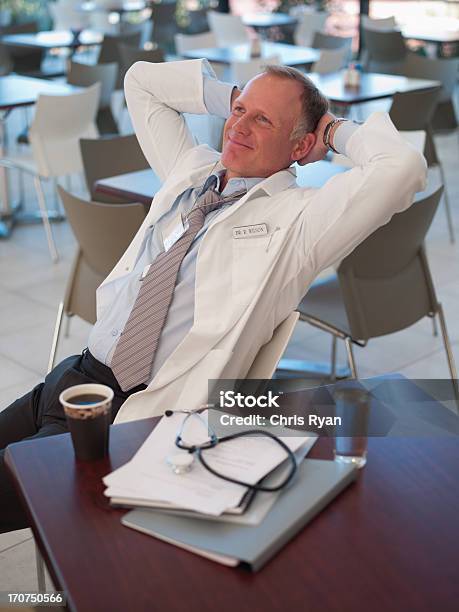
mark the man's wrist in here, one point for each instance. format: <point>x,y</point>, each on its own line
<point>329,132</point>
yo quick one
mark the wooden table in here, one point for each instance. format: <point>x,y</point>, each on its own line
<point>141,186</point>
<point>18,91</point>
<point>290,55</point>
<point>372,87</point>
<point>389,542</point>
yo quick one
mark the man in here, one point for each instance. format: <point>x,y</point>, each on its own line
<point>229,246</point>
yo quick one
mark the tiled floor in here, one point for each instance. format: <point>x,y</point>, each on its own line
<point>31,287</point>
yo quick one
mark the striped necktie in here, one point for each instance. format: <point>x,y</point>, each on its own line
<point>134,354</point>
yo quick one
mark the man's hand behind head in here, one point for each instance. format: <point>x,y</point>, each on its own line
<point>319,150</point>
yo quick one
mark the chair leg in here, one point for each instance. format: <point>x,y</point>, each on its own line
<point>45,218</point>
<point>449,352</point>
<point>57,333</point>
<point>350,357</point>
<point>333,359</point>
<point>41,580</point>
<point>452,236</point>
<point>434,326</point>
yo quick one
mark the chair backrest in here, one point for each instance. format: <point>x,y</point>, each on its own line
<point>6,63</point>
<point>185,42</point>
<point>242,72</point>
<point>438,69</point>
<point>386,23</point>
<point>413,110</point>
<point>228,29</point>
<point>109,49</point>
<point>104,157</point>
<point>24,60</point>
<point>330,60</point>
<point>58,124</point>
<point>309,22</point>
<point>145,28</point>
<point>65,16</point>
<point>321,40</point>
<point>103,233</point>
<point>270,354</point>
<point>85,75</point>
<point>130,55</point>
<point>384,49</point>
<point>164,23</point>
<point>385,282</point>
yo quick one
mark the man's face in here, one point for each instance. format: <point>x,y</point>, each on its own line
<point>256,138</point>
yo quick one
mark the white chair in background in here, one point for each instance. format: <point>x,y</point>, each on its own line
<point>242,72</point>
<point>308,23</point>
<point>66,16</point>
<point>228,29</point>
<point>186,42</point>
<point>330,60</point>
<point>386,23</point>
<point>54,135</point>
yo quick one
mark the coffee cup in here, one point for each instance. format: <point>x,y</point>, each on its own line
<point>88,411</point>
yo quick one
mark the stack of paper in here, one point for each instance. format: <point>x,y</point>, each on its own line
<point>148,480</point>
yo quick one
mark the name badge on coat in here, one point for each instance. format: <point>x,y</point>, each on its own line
<point>250,231</point>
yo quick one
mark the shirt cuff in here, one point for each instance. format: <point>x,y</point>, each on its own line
<point>217,97</point>
<point>342,134</point>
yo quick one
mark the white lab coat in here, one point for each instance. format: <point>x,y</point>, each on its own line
<point>246,287</point>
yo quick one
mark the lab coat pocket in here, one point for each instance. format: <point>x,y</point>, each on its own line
<point>252,260</point>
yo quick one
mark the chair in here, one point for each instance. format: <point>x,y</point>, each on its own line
<point>145,28</point>
<point>186,42</point>
<point>85,75</point>
<point>24,61</point>
<point>385,51</point>
<point>309,22</point>
<point>330,60</point>
<point>58,124</point>
<point>380,290</point>
<point>413,110</point>
<point>164,24</point>
<point>444,70</point>
<point>228,29</point>
<point>326,41</point>
<point>109,51</point>
<point>66,16</point>
<point>103,233</point>
<point>130,55</point>
<point>242,72</point>
<point>104,157</point>
<point>265,363</point>
<point>6,63</point>
<point>386,23</point>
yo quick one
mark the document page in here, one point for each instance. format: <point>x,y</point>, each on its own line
<point>149,476</point>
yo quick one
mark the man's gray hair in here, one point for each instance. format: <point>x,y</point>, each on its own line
<point>314,103</point>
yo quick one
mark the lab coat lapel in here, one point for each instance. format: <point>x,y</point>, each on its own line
<point>210,323</point>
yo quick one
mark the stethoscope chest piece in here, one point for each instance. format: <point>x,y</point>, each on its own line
<point>180,463</point>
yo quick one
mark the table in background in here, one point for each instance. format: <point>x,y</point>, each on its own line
<point>438,36</point>
<point>373,86</point>
<point>53,40</point>
<point>18,91</point>
<point>141,186</point>
<point>290,55</point>
<point>390,541</point>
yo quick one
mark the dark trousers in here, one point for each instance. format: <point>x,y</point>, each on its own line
<point>39,413</point>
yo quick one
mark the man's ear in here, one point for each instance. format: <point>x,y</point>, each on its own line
<point>303,146</point>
